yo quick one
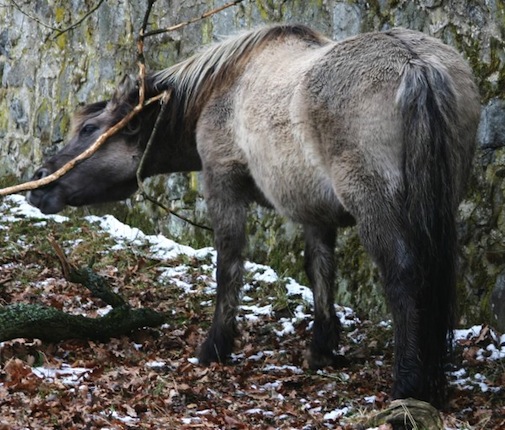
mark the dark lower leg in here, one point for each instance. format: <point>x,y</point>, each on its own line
<point>320,268</point>
<point>229,233</point>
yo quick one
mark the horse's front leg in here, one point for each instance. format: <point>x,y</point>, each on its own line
<point>320,268</point>
<point>229,219</point>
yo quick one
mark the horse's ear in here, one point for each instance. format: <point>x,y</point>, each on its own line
<point>123,91</point>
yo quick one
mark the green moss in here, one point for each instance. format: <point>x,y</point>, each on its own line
<point>358,281</point>
<point>4,110</point>
<point>190,197</point>
<point>207,31</point>
<point>270,10</point>
<point>262,10</point>
<point>59,14</point>
<point>8,180</point>
<point>61,41</point>
<point>490,74</point>
<point>375,18</point>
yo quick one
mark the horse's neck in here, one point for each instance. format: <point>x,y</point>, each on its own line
<point>173,149</point>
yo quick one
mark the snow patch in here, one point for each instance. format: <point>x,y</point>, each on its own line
<point>66,375</point>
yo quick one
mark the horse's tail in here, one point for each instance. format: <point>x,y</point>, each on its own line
<point>427,101</point>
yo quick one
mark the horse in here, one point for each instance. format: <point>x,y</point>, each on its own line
<point>377,130</point>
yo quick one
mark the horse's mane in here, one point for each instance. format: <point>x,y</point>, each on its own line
<point>216,65</point>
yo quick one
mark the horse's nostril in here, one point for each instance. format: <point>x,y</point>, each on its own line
<point>41,173</point>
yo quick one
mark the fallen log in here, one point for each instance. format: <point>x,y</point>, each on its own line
<point>50,324</point>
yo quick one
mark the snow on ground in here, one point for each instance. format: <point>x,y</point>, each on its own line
<point>159,247</point>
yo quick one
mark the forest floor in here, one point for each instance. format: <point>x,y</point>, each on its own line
<point>152,380</point>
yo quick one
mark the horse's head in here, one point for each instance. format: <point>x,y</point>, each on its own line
<point>110,173</point>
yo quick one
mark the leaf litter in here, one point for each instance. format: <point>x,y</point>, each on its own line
<point>152,379</point>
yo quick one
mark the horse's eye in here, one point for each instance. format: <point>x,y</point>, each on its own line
<point>88,129</point>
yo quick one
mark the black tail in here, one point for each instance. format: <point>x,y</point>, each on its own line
<point>427,102</point>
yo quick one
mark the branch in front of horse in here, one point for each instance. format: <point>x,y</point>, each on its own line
<point>193,20</point>
<point>175,213</point>
<point>164,103</point>
<point>145,21</point>
<point>32,185</point>
<point>102,138</point>
<point>141,62</point>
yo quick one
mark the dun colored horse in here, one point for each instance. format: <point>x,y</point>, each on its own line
<point>376,130</point>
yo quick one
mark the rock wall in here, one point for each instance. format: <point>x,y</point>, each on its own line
<point>57,54</point>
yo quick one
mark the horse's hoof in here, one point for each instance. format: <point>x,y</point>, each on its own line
<point>318,361</point>
<point>212,352</point>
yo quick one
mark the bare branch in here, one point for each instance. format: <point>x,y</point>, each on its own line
<point>79,21</point>
<point>33,17</point>
<point>164,102</point>
<point>141,79</point>
<point>59,31</point>
<point>193,20</point>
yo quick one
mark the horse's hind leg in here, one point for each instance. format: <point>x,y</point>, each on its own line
<point>383,233</point>
<point>227,205</point>
<point>320,268</point>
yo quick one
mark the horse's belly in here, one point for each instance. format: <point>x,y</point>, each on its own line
<point>300,195</point>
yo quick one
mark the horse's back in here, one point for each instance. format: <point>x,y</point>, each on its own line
<point>260,131</point>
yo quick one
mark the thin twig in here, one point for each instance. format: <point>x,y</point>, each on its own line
<point>193,20</point>
<point>79,21</point>
<point>164,103</point>
<point>59,31</point>
<point>31,185</point>
<point>33,18</point>
<point>65,264</point>
<point>142,190</point>
<point>140,53</point>
<point>114,129</point>
<point>145,22</point>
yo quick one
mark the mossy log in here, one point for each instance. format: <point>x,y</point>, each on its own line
<point>50,324</point>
